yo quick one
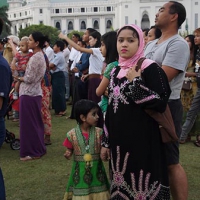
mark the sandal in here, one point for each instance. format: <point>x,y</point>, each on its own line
<point>61,114</point>
<point>197,142</point>
<point>26,158</point>
<point>15,120</point>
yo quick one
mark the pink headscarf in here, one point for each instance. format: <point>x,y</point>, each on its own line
<point>124,63</point>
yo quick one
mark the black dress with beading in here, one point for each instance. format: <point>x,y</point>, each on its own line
<point>138,164</point>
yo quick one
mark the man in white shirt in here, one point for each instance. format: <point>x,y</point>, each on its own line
<point>72,56</point>
<point>48,50</point>
<point>66,53</point>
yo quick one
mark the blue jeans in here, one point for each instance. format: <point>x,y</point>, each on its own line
<point>2,138</point>
<point>67,87</point>
<point>191,116</point>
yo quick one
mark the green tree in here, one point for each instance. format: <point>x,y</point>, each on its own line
<point>7,23</point>
<point>49,31</point>
<point>73,32</point>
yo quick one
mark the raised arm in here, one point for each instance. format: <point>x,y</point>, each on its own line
<point>73,44</point>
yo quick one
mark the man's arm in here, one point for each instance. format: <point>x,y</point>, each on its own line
<point>1,102</point>
<point>84,64</point>
<point>170,72</point>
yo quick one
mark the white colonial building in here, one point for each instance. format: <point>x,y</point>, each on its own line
<point>103,15</point>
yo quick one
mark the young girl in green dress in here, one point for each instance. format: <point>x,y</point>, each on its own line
<point>88,178</point>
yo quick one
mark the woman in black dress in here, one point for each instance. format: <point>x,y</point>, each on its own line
<point>138,165</point>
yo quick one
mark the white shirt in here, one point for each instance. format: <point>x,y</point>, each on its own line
<point>96,61</point>
<point>76,60</point>
<point>66,53</point>
<point>73,54</point>
<point>50,53</point>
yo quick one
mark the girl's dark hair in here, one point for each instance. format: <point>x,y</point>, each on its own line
<point>158,32</point>
<point>90,30</point>
<point>110,41</point>
<point>193,46</point>
<point>39,37</point>
<point>60,44</point>
<point>83,107</point>
<point>96,35</point>
<point>135,33</point>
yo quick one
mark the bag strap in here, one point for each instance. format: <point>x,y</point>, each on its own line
<point>139,63</point>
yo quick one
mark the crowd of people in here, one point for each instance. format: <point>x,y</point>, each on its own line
<point>116,82</point>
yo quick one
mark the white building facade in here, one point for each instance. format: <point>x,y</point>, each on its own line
<point>103,15</point>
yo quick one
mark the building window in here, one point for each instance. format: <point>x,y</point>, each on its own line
<point>82,9</point>
<point>95,9</point>
<point>108,8</point>
<point>14,15</point>
<point>145,23</point>
<point>69,10</point>
<point>196,20</point>
<point>126,20</point>
<point>41,22</point>
<point>83,25</point>
<point>108,24</point>
<point>20,14</point>
<point>57,10</point>
<point>126,6</point>
<point>96,24</point>
<point>70,26</point>
<point>25,12</point>
<point>196,3</point>
<point>41,11</point>
<point>15,30</point>
<point>58,25</point>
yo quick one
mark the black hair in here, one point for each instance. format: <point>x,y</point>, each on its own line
<point>135,33</point>
<point>77,35</point>
<point>90,30</point>
<point>83,107</point>
<point>145,31</point>
<point>193,46</point>
<point>60,44</point>
<point>1,25</point>
<point>178,8</point>
<point>39,37</point>
<point>96,35</point>
<point>47,39</point>
<point>110,41</point>
<point>83,42</point>
<point>158,32</point>
<point>65,42</point>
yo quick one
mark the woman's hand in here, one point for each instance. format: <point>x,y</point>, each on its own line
<point>132,73</point>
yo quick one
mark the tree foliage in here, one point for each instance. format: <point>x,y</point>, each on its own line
<point>7,23</point>
<point>73,32</point>
<point>49,31</point>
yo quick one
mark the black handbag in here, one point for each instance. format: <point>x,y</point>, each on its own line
<point>187,85</point>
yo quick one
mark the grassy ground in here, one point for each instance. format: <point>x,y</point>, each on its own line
<point>46,178</point>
